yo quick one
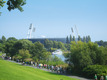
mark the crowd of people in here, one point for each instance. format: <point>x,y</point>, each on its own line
<point>56,68</point>
<point>101,78</point>
<point>52,68</point>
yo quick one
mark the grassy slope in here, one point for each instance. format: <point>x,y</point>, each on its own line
<point>13,71</point>
<point>1,54</point>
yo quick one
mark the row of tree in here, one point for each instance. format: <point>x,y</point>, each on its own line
<point>72,38</point>
<point>102,43</point>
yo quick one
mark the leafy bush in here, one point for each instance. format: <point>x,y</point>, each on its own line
<point>91,70</point>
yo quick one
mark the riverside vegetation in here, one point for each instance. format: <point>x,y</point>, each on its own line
<point>83,57</point>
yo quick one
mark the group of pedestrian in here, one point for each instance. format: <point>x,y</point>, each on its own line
<point>101,78</point>
<point>6,57</point>
<point>57,69</point>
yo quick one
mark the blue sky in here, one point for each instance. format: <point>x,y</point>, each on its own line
<point>54,18</point>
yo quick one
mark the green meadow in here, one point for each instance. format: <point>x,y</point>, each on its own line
<point>14,71</point>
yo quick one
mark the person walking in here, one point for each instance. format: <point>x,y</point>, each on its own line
<point>95,77</point>
<point>102,78</point>
<point>57,69</point>
<point>106,77</point>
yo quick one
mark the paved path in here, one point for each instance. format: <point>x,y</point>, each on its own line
<point>72,76</point>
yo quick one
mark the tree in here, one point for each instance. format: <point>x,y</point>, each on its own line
<point>23,44</point>
<point>0,47</point>
<point>11,38</point>
<point>101,56</point>
<point>74,38</point>
<point>13,4</point>
<point>9,48</point>
<point>39,52</point>
<point>24,54</point>
<point>67,40</point>
<point>2,4</point>
<point>88,38</point>
<point>18,45</point>
<point>51,44</point>
<point>61,46</point>
<point>84,39</point>
<point>79,38</point>
<point>46,44</point>
<point>55,44</point>
<point>67,46</point>
<point>80,55</point>
<point>71,38</point>
<point>3,39</point>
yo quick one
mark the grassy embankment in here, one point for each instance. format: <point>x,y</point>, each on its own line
<point>1,53</point>
<point>13,71</point>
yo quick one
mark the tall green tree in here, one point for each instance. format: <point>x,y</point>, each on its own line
<point>61,46</point>
<point>80,55</point>
<point>12,38</point>
<point>51,43</point>
<point>55,44</point>
<point>74,38</point>
<point>89,38</point>
<point>84,39</point>
<point>24,54</point>
<point>67,40</point>
<point>47,43</point>
<point>101,56</point>
<point>2,47</point>
<point>23,44</point>
<point>71,38</point>
<point>9,48</point>
<point>79,38</point>
<point>39,52</point>
<point>3,39</point>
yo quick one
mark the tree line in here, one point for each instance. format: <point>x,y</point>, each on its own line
<point>102,43</point>
<point>72,38</point>
<point>25,50</point>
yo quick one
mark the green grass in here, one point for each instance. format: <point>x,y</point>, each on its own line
<point>1,54</point>
<point>13,71</point>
